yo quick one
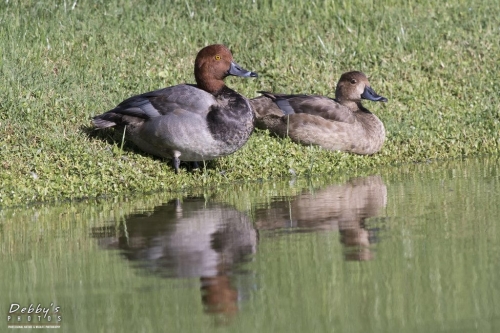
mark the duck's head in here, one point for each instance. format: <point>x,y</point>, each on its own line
<point>213,63</point>
<point>353,87</point>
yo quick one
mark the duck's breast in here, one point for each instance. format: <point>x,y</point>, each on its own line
<point>231,120</point>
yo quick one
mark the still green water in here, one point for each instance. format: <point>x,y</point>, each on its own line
<point>410,249</point>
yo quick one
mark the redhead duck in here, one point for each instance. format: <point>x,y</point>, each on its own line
<point>335,124</point>
<point>189,122</point>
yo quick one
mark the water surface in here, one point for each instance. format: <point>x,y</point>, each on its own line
<point>409,249</point>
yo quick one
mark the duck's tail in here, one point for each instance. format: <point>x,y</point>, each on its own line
<point>108,119</point>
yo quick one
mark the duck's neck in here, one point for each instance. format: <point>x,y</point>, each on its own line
<point>354,106</point>
<point>363,109</point>
<point>213,86</point>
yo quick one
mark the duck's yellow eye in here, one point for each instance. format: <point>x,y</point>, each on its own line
<point>217,57</point>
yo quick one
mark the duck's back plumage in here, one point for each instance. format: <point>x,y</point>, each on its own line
<point>162,102</point>
<point>321,106</point>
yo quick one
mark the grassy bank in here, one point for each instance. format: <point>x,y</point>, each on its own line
<point>64,61</point>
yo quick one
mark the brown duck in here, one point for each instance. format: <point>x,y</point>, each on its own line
<point>342,123</point>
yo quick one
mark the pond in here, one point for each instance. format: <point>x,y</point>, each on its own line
<point>408,249</point>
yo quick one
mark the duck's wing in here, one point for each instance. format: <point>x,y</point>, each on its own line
<point>321,106</point>
<point>264,106</point>
<point>180,100</point>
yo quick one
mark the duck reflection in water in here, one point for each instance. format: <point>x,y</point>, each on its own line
<point>342,207</point>
<point>211,241</point>
<point>194,238</point>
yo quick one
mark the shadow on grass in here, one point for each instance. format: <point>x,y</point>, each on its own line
<point>113,137</point>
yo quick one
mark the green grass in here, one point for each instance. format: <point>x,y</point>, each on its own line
<point>437,64</point>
